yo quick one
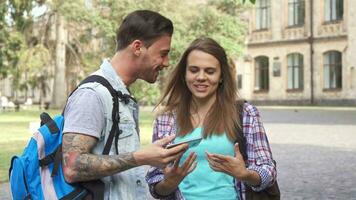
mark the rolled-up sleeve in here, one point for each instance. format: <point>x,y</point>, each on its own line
<point>260,155</point>
<point>162,127</point>
<point>154,176</point>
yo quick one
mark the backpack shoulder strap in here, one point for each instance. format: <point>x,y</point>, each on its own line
<point>115,111</point>
<point>102,81</point>
<point>241,139</point>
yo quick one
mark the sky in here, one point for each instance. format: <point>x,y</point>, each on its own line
<point>38,10</point>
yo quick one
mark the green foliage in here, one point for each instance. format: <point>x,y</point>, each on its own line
<point>2,15</point>
<point>97,20</point>
<point>228,30</point>
<point>20,13</point>
<point>207,20</point>
<point>252,1</point>
<point>147,94</point>
<point>3,38</point>
<point>14,44</point>
<point>15,20</point>
<point>230,7</point>
<point>91,61</point>
<point>33,65</point>
<point>191,20</point>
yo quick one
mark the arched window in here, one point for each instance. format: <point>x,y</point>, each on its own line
<point>295,71</point>
<point>261,73</point>
<point>332,70</point>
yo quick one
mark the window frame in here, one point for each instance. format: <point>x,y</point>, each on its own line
<point>261,73</point>
<point>333,11</point>
<point>239,81</point>
<point>297,65</point>
<point>332,70</point>
<point>297,7</point>
<point>263,15</point>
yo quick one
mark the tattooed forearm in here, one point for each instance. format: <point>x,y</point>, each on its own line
<point>80,165</point>
<point>89,166</point>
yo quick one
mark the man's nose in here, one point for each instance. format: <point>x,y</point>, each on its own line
<point>165,62</point>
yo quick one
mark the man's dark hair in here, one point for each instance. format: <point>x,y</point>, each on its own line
<point>143,25</point>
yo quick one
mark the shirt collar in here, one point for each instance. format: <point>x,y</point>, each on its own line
<point>111,75</point>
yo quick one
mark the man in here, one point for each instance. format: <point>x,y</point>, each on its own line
<point>143,43</point>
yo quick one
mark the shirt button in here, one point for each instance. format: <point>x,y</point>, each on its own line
<point>138,182</point>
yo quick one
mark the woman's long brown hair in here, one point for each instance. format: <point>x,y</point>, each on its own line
<point>223,115</point>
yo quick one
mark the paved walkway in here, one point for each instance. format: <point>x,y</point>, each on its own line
<point>4,191</point>
<point>315,162</point>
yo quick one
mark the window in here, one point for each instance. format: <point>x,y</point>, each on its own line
<point>239,81</point>
<point>296,12</point>
<point>262,14</point>
<point>295,71</point>
<point>261,73</point>
<point>332,70</point>
<point>334,10</point>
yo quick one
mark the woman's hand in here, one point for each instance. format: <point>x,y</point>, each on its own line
<point>234,166</point>
<point>174,174</point>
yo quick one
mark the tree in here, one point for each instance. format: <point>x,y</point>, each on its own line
<point>59,93</point>
<point>15,20</point>
<point>31,64</point>
<point>198,20</point>
<point>190,19</point>
<point>12,39</point>
<point>86,33</point>
<point>3,35</point>
<point>252,1</point>
<point>61,19</point>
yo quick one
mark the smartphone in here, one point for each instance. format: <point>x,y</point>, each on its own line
<point>191,142</point>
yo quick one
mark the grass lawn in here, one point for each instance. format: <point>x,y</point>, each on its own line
<point>15,133</point>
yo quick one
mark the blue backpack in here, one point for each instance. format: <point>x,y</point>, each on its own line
<point>37,173</point>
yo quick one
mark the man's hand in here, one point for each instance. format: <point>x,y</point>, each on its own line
<point>157,156</point>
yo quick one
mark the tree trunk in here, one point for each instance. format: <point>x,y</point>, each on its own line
<point>59,94</point>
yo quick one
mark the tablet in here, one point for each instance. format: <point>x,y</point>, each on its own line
<point>191,142</point>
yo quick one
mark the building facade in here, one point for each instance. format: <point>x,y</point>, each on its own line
<point>300,52</point>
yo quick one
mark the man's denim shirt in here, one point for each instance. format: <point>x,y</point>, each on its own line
<point>129,184</point>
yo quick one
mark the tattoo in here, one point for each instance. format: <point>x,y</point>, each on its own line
<point>84,166</point>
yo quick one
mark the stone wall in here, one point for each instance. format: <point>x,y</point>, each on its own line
<point>280,40</point>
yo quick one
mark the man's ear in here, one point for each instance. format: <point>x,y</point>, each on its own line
<point>136,47</point>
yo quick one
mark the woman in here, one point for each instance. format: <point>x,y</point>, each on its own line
<point>201,100</point>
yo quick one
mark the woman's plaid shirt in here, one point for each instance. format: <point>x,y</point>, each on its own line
<point>258,152</point>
